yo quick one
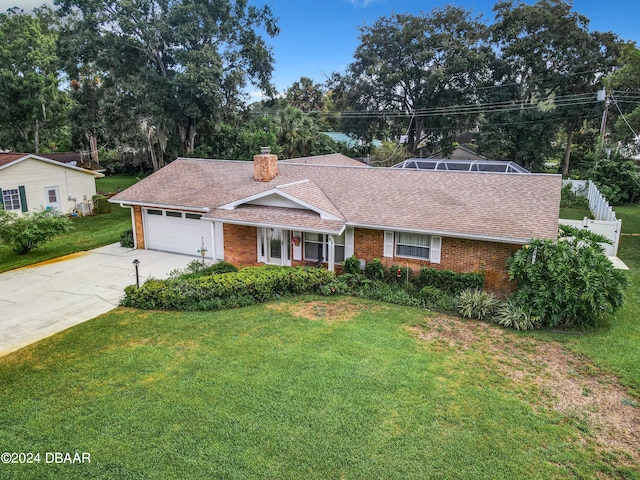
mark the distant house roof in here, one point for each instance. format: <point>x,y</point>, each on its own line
<point>8,159</point>
<point>63,157</point>
<point>460,153</point>
<point>492,207</point>
<point>348,140</point>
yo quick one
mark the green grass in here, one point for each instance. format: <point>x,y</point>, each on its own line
<point>115,183</point>
<point>260,393</point>
<point>89,232</point>
<point>630,217</point>
<point>575,213</point>
<point>615,346</point>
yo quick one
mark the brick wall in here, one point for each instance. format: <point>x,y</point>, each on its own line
<point>461,256</point>
<point>139,228</point>
<point>240,245</point>
<point>265,167</point>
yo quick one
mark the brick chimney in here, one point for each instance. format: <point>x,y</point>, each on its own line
<point>265,165</point>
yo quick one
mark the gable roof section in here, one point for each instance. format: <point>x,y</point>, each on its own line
<point>9,159</point>
<point>503,208</point>
<point>303,194</point>
<point>291,218</point>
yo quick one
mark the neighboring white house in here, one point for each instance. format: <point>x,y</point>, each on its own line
<point>30,182</point>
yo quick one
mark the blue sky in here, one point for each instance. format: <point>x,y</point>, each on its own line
<point>319,37</point>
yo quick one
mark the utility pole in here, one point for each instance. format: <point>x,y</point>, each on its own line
<point>602,97</point>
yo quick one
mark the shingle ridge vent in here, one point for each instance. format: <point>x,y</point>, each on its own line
<point>220,160</point>
<point>299,182</point>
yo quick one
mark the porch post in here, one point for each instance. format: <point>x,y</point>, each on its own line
<point>332,253</point>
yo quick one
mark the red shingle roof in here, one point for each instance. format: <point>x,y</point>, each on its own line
<point>501,207</point>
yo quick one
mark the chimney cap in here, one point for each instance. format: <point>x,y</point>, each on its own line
<point>265,150</point>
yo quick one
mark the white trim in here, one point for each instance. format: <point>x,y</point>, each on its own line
<point>276,225</point>
<point>163,206</point>
<point>133,225</point>
<point>275,191</point>
<point>331,252</point>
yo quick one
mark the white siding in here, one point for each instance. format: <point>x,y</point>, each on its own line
<point>36,175</point>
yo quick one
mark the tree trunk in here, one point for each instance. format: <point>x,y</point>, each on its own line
<point>93,141</point>
<point>152,152</point>
<point>161,133</point>
<point>567,151</point>
<point>36,137</point>
<point>188,136</point>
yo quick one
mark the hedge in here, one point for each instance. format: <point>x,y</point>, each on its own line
<point>449,281</point>
<point>226,290</point>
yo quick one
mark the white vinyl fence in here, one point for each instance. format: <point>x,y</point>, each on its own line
<point>605,221</point>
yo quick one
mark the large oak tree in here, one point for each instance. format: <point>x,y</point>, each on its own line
<point>176,63</point>
<point>417,67</point>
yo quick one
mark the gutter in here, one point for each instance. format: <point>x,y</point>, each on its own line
<point>127,203</point>
<point>465,236</point>
<point>276,225</point>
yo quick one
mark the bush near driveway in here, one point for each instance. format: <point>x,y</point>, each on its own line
<point>23,233</point>
<point>226,290</point>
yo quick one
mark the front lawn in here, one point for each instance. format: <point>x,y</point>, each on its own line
<point>309,388</point>
<point>616,346</point>
<point>567,213</point>
<point>88,233</point>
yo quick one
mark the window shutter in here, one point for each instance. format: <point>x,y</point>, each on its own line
<point>1,200</point>
<point>436,247</point>
<point>218,240</point>
<point>388,244</point>
<point>348,243</point>
<point>23,198</point>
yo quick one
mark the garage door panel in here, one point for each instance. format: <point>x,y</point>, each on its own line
<point>179,235</point>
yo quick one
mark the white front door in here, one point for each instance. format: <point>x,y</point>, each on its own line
<point>52,198</point>
<point>274,246</point>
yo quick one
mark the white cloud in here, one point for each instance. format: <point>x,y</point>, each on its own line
<point>361,3</point>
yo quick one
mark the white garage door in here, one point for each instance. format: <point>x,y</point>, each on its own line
<point>177,232</point>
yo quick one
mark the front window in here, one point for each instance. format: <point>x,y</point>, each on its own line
<point>413,245</point>
<point>11,199</point>
<point>339,248</point>
<point>316,247</point>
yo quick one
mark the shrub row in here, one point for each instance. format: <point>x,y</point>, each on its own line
<point>445,280</point>
<point>226,290</point>
<point>449,281</point>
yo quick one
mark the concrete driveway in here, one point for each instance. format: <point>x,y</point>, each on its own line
<point>40,300</point>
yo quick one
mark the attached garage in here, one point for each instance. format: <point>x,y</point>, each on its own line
<point>177,232</point>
